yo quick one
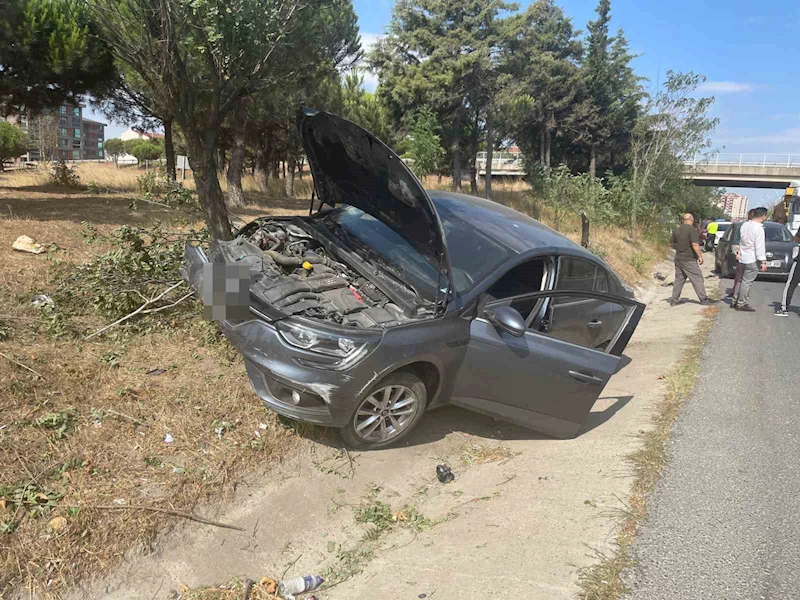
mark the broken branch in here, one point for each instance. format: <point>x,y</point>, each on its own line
<point>167,511</point>
<point>124,416</point>
<point>19,364</point>
<point>137,311</point>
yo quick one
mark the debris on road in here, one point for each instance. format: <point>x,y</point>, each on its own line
<point>168,438</point>
<point>42,301</point>
<point>156,372</point>
<point>660,276</point>
<point>299,585</point>
<point>27,244</point>
<point>444,474</point>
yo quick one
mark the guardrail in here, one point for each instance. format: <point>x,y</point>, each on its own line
<point>746,160</point>
<point>501,161</point>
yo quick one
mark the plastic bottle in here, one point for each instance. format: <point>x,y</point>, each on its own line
<point>298,585</point>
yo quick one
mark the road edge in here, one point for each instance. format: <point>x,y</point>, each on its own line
<point>604,580</point>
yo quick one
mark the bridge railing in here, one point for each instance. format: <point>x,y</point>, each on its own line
<point>746,160</point>
<point>501,161</point>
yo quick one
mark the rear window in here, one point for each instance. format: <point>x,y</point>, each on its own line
<point>723,227</point>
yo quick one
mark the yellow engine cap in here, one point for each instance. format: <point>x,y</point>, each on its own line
<point>307,266</point>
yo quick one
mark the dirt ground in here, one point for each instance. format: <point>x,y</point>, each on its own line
<point>524,513</point>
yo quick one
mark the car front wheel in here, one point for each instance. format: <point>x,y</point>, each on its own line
<point>388,413</point>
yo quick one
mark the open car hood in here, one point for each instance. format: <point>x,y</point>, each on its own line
<point>352,166</point>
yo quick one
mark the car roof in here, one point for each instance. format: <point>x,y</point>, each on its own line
<point>766,224</point>
<point>511,228</point>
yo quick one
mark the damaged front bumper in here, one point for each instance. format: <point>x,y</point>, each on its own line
<point>279,372</point>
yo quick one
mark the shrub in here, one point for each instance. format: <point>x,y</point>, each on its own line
<point>63,175</point>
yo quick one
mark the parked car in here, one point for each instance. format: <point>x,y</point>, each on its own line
<point>390,300</point>
<point>712,239</point>
<point>781,250</point>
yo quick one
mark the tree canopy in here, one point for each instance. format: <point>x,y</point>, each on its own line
<point>13,142</point>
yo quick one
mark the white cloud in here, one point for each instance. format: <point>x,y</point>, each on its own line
<point>368,40</point>
<point>785,137</point>
<point>726,87</point>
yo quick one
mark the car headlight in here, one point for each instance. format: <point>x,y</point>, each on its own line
<point>734,249</point>
<point>795,251</point>
<point>318,341</point>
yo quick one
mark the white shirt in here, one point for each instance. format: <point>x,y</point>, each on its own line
<point>752,245</point>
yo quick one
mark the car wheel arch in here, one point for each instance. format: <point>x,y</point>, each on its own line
<point>428,371</point>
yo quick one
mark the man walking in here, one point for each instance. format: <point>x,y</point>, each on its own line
<point>791,285</point>
<point>737,277</point>
<point>752,252</point>
<point>688,258</point>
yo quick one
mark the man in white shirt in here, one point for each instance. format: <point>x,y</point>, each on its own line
<point>753,252</point>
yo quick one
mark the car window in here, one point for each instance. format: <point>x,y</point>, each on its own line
<point>580,275</point>
<point>584,321</point>
<point>777,234</point>
<point>723,227</point>
<point>526,278</point>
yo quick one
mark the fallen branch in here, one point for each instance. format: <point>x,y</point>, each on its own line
<point>26,367</point>
<point>124,416</point>
<point>139,310</point>
<point>167,511</point>
<point>160,308</point>
<point>16,317</point>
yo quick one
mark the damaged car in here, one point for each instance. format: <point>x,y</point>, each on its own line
<point>388,300</point>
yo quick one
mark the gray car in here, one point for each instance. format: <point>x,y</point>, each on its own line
<point>389,300</point>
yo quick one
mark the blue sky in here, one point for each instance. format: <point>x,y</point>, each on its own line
<point>748,50</point>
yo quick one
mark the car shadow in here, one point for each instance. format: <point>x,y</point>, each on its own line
<point>438,423</point>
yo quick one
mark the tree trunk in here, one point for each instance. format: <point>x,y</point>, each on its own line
<point>169,150</point>
<point>203,158</point>
<point>439,178</point>
<point>592,162</point>
<point>489,154</point>
<point>261,169</point>
<point>541,147</point>
<point>283,166</point>
<point>236,164</point>
<point>301,163</point>
<point>290,170</point>
<point>473,174</point>
<point>456,166</point>
<point>547,145</point>
<point>221,160</point>
<point>276,170</point>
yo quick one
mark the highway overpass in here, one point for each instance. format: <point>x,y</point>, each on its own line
<point>773,171</point>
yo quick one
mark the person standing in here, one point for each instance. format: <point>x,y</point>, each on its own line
<point>688,258</point>
<point>752,253</point>
<point>791,285</point>
<point>737,277</point>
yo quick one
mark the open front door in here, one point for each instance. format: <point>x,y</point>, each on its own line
<point>549,378</point>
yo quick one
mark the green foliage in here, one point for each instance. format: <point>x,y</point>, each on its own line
<point>13,142</point>
<point>423,143</point>
<point>154,184</point>
<point>61,422</point>
<point>62,175</point>
<point>114,147</point>
<point>145,150</point>
<point>50,54</point>
<point>143,263</point>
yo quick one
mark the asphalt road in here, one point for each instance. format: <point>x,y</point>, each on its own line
<point>725,519</point>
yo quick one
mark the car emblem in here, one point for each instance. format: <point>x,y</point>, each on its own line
<point>769,255</point>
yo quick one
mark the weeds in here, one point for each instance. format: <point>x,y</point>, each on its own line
<point>61,422</point>
<point>63,175</point>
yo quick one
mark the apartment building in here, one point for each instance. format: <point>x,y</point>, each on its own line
<point>73,137</point>
<point>734,205</point>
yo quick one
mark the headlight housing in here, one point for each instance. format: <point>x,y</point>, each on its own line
<point>795,251</point>
<point>349,349</point>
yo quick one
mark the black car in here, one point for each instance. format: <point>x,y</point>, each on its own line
<point>390,299</point>
<point>781,250</point>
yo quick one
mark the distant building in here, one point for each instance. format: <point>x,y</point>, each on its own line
<point>734,205</point>
<point>138,134</point>
<point>76,138</point>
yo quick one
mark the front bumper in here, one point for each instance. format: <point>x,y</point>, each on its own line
<point>326,397</point>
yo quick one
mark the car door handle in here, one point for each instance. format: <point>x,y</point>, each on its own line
<point>584,378</point>
<point>594,324</point>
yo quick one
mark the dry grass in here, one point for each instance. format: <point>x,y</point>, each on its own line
<point>91,431</point>
<point>232,590</point>
<point>604,580</point>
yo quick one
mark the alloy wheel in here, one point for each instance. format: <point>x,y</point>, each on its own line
<point>385,413</point>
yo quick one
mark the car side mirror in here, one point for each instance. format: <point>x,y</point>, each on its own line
<point>508,319</point>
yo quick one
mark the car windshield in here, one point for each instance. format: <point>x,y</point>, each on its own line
<point>473,255</point>
<point>777,233</point>
<point>723,227</point>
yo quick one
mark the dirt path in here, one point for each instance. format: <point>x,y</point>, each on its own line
<point>523,515</point>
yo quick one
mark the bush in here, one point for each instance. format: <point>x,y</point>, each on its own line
<point>63,175</point>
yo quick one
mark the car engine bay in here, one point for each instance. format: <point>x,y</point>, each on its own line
<point>294,273</point>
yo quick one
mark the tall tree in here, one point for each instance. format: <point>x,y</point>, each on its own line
<point>49,54</point>
<point>440,54</point>
<point>201,58</point>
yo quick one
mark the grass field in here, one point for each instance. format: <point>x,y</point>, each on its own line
<point>157,413</point>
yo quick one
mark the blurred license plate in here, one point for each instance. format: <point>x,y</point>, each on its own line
<point>773,264</point>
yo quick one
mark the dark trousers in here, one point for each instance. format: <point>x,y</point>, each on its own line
<point>688,269</point>
<point>737,278</point>
<point>791,285</point>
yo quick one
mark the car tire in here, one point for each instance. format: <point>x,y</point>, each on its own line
<point>409,388</point>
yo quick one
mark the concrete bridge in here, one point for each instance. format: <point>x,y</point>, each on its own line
<point>773,171</point>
